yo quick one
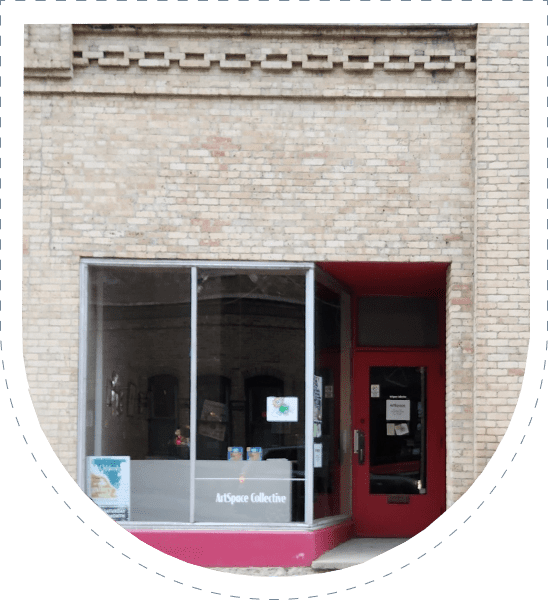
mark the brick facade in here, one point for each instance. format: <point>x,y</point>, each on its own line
<point>284,143</point>
<point>501,248</point>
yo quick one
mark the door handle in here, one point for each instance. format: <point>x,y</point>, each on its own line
<point>359,445</point>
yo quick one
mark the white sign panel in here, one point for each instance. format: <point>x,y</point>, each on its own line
<point>243,492</point>
<point>318,456</point>
<point>108,485</point>
<point>398,408</point>
<point>282,409</point>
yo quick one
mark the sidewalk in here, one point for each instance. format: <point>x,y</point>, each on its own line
<point>350,553</point>
<point>269,571</point>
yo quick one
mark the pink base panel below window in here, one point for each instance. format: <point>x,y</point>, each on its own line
<point>247,548</point>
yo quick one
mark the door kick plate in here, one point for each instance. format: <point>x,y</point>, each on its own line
<point>397,499</point>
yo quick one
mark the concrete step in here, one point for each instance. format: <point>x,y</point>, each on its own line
<point>354,552</point>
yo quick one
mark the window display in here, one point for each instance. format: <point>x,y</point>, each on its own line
<point>138,343</point>
<point>251,371</point>
<point>223,441</point>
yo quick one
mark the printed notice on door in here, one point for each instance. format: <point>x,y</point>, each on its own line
<point>398,408</point>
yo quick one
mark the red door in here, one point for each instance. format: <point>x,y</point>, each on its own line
<point>398,465</point>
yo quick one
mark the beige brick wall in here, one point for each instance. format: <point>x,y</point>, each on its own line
<point>48,50</point>
<point>312,162</point>
<point>502,226</point>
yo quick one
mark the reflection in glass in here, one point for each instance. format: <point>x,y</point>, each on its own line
<point>251,351</point>
<point>327,471</point>
<point>137,384</point>
<point>397,430</point>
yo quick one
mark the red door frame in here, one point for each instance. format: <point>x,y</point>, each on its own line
<point>373,515</point>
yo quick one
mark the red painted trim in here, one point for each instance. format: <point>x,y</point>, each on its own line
<point>247,548</point>
<point>373,516</point>
<point>390,278</point>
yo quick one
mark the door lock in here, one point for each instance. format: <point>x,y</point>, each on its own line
<point>359,445</point>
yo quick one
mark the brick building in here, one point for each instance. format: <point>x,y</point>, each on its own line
<point>305,244</point>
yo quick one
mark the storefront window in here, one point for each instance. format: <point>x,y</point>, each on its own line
<point>327,326</point>
<point>250,443</point>
<point>218,440</point>
<point>137,392</point>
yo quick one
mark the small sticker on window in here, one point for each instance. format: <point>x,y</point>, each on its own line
<point>375,391</point>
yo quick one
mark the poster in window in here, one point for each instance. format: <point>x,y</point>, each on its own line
<point>212,420</point>
<point>108,485</point>
<point>318,452</point>
<point>317,392</point>
<point>401,429</point>
<point>281,409</point>
<point>317,429</point>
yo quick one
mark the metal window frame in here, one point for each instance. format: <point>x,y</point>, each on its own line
<point>82,372</point>
<point>307,268</point>
<point>329,282</point>
<point>193,384</point>
<point>309,399</point>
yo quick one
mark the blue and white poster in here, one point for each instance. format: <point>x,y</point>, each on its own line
<point>108,485</point>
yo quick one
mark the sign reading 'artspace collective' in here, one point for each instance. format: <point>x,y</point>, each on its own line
<point>261,498</point>
<point>244,491</point>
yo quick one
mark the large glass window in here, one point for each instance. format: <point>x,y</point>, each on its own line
<point>250,443</point>
<point>137,392</point>
<point>194,393</point>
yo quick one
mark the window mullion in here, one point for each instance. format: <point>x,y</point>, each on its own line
<point>193,380</point>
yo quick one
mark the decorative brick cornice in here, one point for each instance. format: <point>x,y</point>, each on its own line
<point>256,61</point>
<point>163,57</point>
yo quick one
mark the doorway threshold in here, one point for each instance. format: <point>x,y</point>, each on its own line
<point>354,552</point>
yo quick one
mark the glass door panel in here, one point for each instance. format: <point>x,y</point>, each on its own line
<point>397,426</point>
